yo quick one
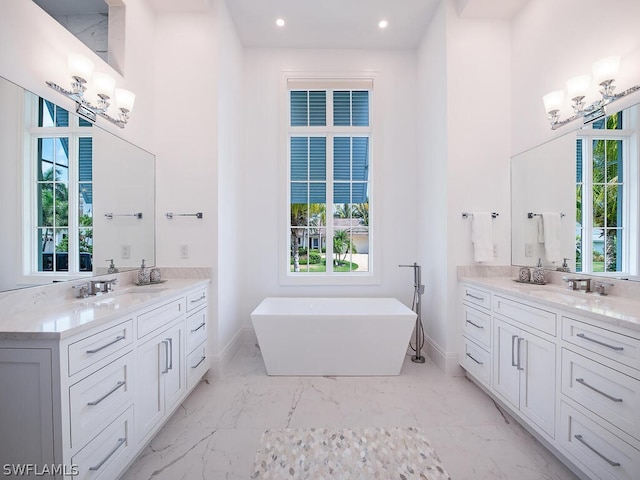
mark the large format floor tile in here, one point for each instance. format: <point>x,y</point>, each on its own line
<point>215,432</point>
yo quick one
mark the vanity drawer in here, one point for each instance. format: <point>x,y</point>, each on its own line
<point>89,350</point>
<point>613,345</point>
<point>96,400</point>
<point>533,317</point>
<point>596,449</point>
<point>477,361</point>
<point>608,393</point>
<point>196,329</point>
<point>150,321</point>
<point>197,365</point>
<point>477,325</point>
<point>476,296</point>
<point>108,453</point>
<point>196,299</point>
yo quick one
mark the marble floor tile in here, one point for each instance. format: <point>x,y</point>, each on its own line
<point>215,432</point>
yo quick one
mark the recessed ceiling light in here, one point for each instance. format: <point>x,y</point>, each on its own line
<point>383,24</point>
<point>280,22</point>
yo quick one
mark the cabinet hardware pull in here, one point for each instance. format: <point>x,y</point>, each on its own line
<point>199,327</point>
<point>513,351</point>
<point>581,440</point>
<point>520,340</point>
<point>118,338</point>
<point>612,347</point>
<point>202,297</point>
<point>170,367</point>
<point>471,357</point>
<point>166,356</point>
<point>474,296</point>
<point>202,360</point>
<point>118,385</point>
<point>582,382</point>
<point>110,454</point>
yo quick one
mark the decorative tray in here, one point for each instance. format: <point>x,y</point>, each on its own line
<point>528,283</point>
<point>150,283</point>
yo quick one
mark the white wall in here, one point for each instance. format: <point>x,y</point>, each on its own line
<point>555,41</point>
<point>395,158</point>
<point>464,161</point>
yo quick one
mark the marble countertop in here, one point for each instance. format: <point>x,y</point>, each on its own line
<point>615,310</point>
<point>79,314</point>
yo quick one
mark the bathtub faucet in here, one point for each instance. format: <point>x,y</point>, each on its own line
<point>418,290</point>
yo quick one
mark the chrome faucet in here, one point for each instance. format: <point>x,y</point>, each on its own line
<point>601,288</point>
<point>98,287</point>
<point>83,290</point>
<point>575,283</point>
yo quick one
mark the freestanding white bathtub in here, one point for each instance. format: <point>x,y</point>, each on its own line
<point>333,336</point>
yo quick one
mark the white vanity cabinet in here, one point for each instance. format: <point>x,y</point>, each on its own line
<point>571,378</point>
<point>477,338</point>
<point>86,403</point>
<point>600,401</point>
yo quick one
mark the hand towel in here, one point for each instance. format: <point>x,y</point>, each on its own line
<point>482,236</point>
<point>540,229</point>
<point>552,236</point>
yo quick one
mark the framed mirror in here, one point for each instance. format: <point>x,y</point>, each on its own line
<point>590,179</point>
<point>73,197</point>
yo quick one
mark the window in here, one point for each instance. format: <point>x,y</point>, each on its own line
<point>602,218</point>
<point>61,189</point>
<point>329,153</point>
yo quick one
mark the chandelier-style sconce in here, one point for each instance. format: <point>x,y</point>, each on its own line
<point>81,69</point>
<point>604,72</point>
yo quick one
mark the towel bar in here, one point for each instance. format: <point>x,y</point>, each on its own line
<point>467,215</point>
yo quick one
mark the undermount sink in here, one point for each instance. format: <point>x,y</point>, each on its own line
<point>112,298</point>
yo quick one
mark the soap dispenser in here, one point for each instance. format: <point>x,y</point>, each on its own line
<point>537,274</point>
<point>144,275</point>
<point>112,266</point>
<point>564,267</point>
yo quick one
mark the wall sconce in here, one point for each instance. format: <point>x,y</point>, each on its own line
<point>604,72</point>
<point>81,69</point>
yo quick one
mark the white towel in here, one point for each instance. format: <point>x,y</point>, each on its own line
<point>552,236</point>
<point>482,236</point>
<point>540,229</point>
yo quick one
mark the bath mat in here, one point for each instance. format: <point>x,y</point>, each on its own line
<point>346,454</point>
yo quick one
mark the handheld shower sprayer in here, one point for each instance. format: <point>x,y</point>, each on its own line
<point>418,290</point>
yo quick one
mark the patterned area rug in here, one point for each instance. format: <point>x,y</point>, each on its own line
<point>347,454</point>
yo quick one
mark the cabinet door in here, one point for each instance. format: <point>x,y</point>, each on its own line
<point>174,376</point>
<point>26,411</point>
<point>149,397</point>
<point>538,380</point>
<point>506,376</point>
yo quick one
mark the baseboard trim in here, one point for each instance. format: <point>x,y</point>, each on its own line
<point>448,362</point>
<point>220,363</point>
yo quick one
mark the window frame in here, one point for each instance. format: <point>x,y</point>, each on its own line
<point>588,136</point>
<point>30,251</point>
<point>294,81</point>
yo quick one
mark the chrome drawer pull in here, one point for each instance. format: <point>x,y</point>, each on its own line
<point>475,324</point>
<point>118,385</point>
<point>198,299</point>
<point>166,356</point>
<point>202,360</point>
<point>582,382</point>
<point>474,296</point>
<point>115,449</point>
<point>170,367</point>
<point>519,366</point>
<point>471,357</point>
<point>579,438</point>
<point>118,338</point>
<point>612,347</point>
<point>199,327</point>
<point>513,351</point>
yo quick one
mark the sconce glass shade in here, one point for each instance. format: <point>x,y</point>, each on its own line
<point>80,66</point>
<point>553,101</point>
<point>103,84</point>
<point>124,99</point>
<point>578,86</point>
<point>606,69</point>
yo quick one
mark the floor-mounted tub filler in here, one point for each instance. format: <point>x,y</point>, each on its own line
<point>333,336</point>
